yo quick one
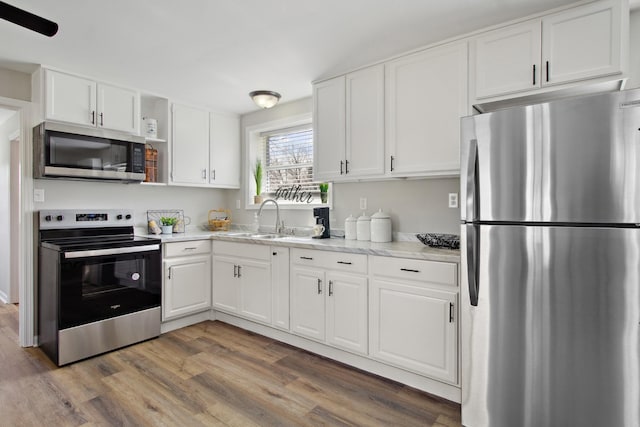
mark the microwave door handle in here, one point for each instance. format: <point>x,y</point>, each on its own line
<point>473,249</point>
<point>472,183</point>
<point>111,251</point>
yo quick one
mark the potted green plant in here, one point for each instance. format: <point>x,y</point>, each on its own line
<point>167,224</point>
<point>324,187</point>
<point>257,176</point>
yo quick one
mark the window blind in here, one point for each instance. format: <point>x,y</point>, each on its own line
<point>288,159</point>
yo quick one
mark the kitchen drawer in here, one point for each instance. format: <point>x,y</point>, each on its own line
<point>191,247</point>
<point>343,261</point>
<point>242,250</point>
<point>308,257</point>
<point>432,272</point>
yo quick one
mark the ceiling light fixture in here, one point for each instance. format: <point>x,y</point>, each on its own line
<point>265,98</point>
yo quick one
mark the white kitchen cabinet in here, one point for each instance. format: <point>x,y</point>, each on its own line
<point>190,145</point>
<point>426,95</point>
<point>329,298</point>
<point>280,286</point>
<point>413,316</point>
<point>224,151</point>
<point>242,280</point>
<point>205,148</point>
<point>187,279</point>
<point>507,60</point>
<point>82,101</point>
<point>329,129</point>
<point>349,126</point>
<point>581,43</point>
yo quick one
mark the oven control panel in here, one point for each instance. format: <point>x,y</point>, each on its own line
<point>82,218</point>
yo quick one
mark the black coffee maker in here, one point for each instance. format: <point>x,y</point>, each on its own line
<point>321,216</point>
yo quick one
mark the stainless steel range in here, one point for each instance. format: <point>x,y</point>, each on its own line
<point>99,286</point>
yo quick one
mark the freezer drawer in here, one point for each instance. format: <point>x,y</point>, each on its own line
<point>554,337</point>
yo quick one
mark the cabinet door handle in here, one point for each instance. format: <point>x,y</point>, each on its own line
<point>392,159</point>
<point>93,117</point>
<point>346,167</point>
<point>451,311</point>
<point>330,287</point>
<point>213,174</point>
<point>239,271</point>
<point>274,253</point>
<point>204,174</point>
<point>547,70</point>
<point>410,270</point>
<point>344,262</point>
<point>534,74</point>
<point>101,119</point>
<point>307,258</point>
<point>319,286</point>
<point>235,270</point>
<point>341,163</point>
<point>170,272</point>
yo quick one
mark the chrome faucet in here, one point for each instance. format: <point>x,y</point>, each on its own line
<point>279,225</point>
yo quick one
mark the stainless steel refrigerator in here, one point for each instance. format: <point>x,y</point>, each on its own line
<point>550,272</point>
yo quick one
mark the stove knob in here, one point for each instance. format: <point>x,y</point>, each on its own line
<point>119,217</point>
<point>128,216</point>
<point>59,218</point>
<point>48,218</point>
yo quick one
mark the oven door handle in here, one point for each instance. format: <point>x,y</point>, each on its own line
<point>112,251</point>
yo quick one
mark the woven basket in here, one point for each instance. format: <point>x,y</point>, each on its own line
<point>219,219</point>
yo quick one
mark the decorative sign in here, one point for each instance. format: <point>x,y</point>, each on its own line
<point>293,193</point>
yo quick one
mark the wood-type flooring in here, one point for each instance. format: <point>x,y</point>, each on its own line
<point>209,374</point>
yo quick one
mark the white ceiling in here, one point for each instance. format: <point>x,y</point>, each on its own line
<point>214,52</point>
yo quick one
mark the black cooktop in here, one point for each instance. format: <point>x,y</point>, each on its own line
<point>82,239</point>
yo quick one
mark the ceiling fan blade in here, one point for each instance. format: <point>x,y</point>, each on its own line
<point>28,20</point>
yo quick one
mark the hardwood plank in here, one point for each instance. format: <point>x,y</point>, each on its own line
<point>209,374</point>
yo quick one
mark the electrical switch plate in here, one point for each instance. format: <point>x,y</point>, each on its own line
<point>38,195</point>
<point>453,200</point>
<point>363,203</point>
<point>237,203</point>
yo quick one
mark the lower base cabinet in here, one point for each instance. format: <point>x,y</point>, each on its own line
<point>187,279</point>
<point>413,316</point>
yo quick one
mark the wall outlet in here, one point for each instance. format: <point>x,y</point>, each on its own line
<point>38,195</point>
<point>237,203</point>
<point>363,203</point>
<point>453,200</point>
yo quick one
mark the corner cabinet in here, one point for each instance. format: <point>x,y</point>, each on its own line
<point>349,126</point>
<point>205,148</point>
<point>187,278</point>
<point>426,95</point>
<point>82,101</point>
<point>581,43</point>
<point>413,308</point>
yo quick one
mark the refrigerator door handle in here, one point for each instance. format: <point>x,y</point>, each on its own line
<point>471,201</point>
<point>473,240</point>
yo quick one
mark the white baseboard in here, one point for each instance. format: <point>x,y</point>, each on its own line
<point>182,322</point>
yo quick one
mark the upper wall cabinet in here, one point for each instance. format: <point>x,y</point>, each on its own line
<point>426,94</point>
<point>205,148</point>
<point>349,126</point>
<point>81,101</point>
<point>578,44</point>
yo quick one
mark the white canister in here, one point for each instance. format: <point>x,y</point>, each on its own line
<point>363,227</point>
<point>350,228</point>
<point>380,227</point>
<point>150,127</point>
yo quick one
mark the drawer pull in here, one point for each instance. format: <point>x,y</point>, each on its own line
<point>410,270</point>
<point>274,253</point>
<point>307,258</point>
<point>345,262</point>
<point>319,286</point>
<point>190,249</point>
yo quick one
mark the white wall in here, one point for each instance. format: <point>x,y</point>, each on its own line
<point>8,127</point>
<point>195,202</point>
<point>634,50</point>
<point>14,84</point>
<point>415,205</point>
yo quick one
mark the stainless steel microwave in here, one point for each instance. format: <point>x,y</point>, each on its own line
<point>71,152</point>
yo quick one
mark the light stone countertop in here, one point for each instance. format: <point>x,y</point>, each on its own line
<point>400,249</point>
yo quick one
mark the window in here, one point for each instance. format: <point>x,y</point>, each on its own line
<point>288,159</point>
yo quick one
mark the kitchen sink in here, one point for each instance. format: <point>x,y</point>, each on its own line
<point>265,236</point>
